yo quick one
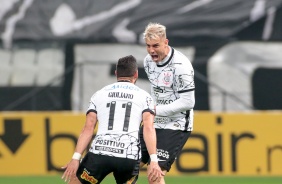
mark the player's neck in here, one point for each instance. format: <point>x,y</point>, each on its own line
<point>124,79</point>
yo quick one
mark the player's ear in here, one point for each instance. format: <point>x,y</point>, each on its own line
<point>136,74</point>
<point>166,41</point>
<point>115,72</point>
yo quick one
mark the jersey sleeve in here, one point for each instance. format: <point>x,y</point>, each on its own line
<point>185,86</point>
<point>184,77</point>
<point>92,105</point>
<point>149,105</point>
<point>186,101</point>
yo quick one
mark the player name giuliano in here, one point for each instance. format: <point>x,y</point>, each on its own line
<point>120,95</point>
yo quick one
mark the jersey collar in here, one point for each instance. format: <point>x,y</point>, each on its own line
<point>165,63</point>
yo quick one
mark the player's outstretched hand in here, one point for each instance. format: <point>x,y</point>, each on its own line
<point>70,170</point>
<point>154,172</point>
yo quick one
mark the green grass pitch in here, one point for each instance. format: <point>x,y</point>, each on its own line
<point>56,179</point>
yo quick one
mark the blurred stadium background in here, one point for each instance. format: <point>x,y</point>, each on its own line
<point>54,54</point>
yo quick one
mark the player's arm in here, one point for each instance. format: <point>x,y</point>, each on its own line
<point>83,141</point>
<point>186,101</point>
<point>89,126</point>
<point>154,171</point>
<point>87,132</point>
<point>184,82</point>
<point>149,132</point>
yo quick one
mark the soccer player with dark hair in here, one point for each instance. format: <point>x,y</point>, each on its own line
<point>119,109</point>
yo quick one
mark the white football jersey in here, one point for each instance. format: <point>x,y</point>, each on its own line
<point>169,78</point>
<point>119,107</point>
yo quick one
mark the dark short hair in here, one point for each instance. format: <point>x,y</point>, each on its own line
<point>126,66</point>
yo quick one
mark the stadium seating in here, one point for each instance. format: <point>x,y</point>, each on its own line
<point>232,69</point>
<point>24,68</point>
<point>29,67</point>
<point>50,65</point>
<point>6,67</point>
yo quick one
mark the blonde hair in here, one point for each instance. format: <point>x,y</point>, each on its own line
<point>154,31</point>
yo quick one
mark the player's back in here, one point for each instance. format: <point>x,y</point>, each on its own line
<point>119,109</point>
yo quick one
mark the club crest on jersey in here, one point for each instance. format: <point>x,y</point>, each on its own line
<point>166,79</point>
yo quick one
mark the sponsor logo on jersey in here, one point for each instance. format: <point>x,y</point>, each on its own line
<point>164,102</point>
<point>158,90</point>
<point>110,143</point>
<point>162,154</point>
<point>160,120</point>
<point>108,149</point>
<point>180,81</point>
<point>88,178</point>
<point>124,86</point>
<point>120,95</point>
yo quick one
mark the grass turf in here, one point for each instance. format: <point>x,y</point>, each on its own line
<point>142,180</point>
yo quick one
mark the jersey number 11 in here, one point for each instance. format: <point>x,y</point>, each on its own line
<point>112,107</point>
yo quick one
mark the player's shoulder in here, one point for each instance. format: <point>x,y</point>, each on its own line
<point>147,58</point>
<point>180,57</point>
<point>181,60</point>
